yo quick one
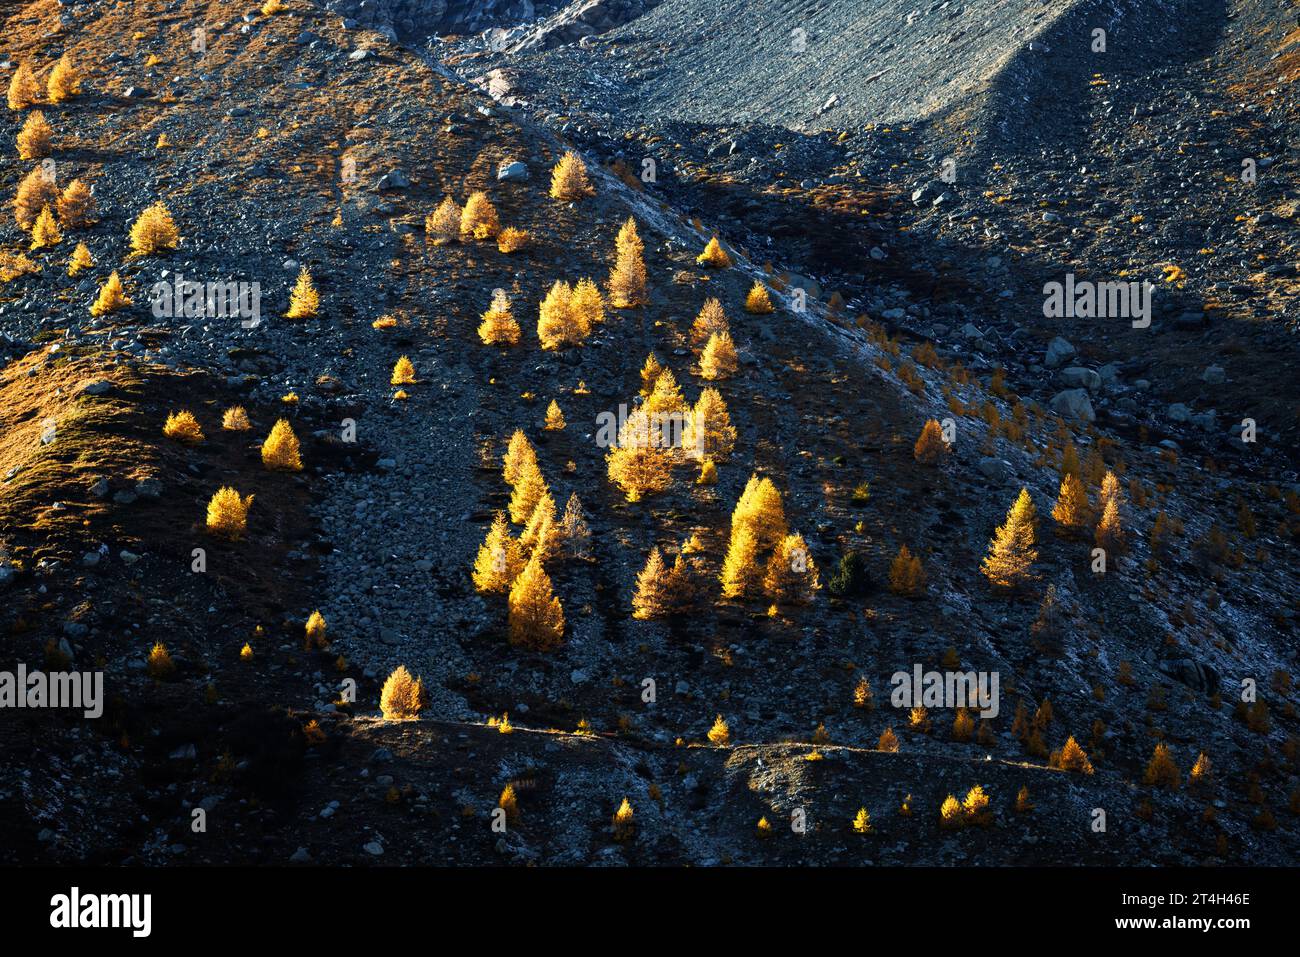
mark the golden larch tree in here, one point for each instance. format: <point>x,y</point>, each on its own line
<point>1072,506</point>
<point>45,231</point>
<point>666,397</point>
<point>500,558</point>
<point>1012,551</point>
<point>403,372</point>
<point>528,491</point>
<point>154,232</point>
<point>76,205</point>
<point>35,137</point>
<point>479,217</point>
<point>228,513</point>
<point>758,301</point>
<point>111,297</point>
<point>36,191</point>
<point>638,464</point>
<point>930,447</point>
<point>587,305</point>
<point>709,434</point>
<point>304,301</point>
<point>81,260</point>
<point>906,576</point>
<point>536,618</point>
<point>654,595</point>
<point>627,280</point>
<point>759,508</point>
<point>519,455</point>
<point>1110,533</point>
<point>442,226</point>
<point>64,82</point>
<point>650,370</point>
<point>741,575</point>
<point>714,256</point>
<point>183,427</point>
<point>791,575</point>
<point>498,326</point>
<point>554,417</point>
<point>712,319</point>
<point>556,324</point>
<point>24,90</point>
<point>402,697</point>
<point>569,180</point>
<point>718,361</point>
<point>280,451</point>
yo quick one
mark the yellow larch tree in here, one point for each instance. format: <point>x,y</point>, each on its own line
<point>498,326</point>
<point>709,434</point>
<point>627,280</point>
<point>111,297</point>
<point>650,370</point>
<point>759,508</point>
<point>666,397</point>
<point>45,231</point>
<point>718,361</point>
<point>758,301</point>
<point>76,205</point>
<point>1110,533</point>
<point>36,191</point>
<point>304,301</point>
<point>930,447</point>
<point>906,576</point>
<point>81,260</point>
<point>714,256</point>
<point>638,464</point>
<point>183,427</point>
<point>587,305</point>
<point>554,417</point>
<point>741,575</point>
<point>556,324</point>
<point>654,593</point>
<point>479,217</point>
<point>528,491</point>
<point>24,90</point>
<point>540,529</point>
<point>154,231</point>
<point>35,137</point>
<point>280,451</point>
<point>569,180</point>
<point>402,696</point>
<point>712,319</point>
<point>500,558</point>
<point>536,618</point>
<point>519,456</point>
<point>791,575</point>
<point>64,82</point>
<point>1072,507</point>
<point>403,372</point>
<point>442,226</point>
<point>228,513</point>
<point>1012,552</point>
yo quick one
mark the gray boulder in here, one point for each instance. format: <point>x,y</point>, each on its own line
<point>1074,404</point>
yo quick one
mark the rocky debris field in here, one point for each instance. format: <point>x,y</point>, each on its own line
<point>305,139</point>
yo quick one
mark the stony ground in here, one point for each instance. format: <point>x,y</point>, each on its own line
<point>380,534</point>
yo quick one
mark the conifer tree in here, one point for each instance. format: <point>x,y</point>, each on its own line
<point>111,297</point>
<point>81,260</point>
<point>36,191</point>
<point>720,732</point>
<point>520,455</point>
<point>556,324</point>
<point>1110,489</point>
<point>741,576</point>
<point>499,560</point>
<point>569,180</point>
<point>403,372</point>
<point>666,397</point>
<point>709,433</point>
<point>45,231</point>
<point>712,319</point>
<point>650,374</point>
<point>34,138</point>
<point>791,576</point>
<point>906,576</point>
<point>479,217</point>
<point>498,326</point>
<point>1070,460</point>
<point>442,226</point>
<point>576,532</point>
<point>627,280</point>
<point>304,301</point>
<point>280,451</point>
<point>930,447</point>
<point>554,417</point>
<point>587,306</point>
<point>76,205</point>
<point>1071,508</point>
<point>654,592</point>
<point>154,231</point>
<point>528,491</point>
<point>718,361</point>
<point>64,82</point>
<point>1110,534</point>
<point>24,90</point>
<point>1074,758</point>
<point>637,464</point>
<point>888,741</point>
<point>402,697</point>
<point>183,427</point>
<point>1161,770</point>
<point>714,256</point>
<point>1012,551</point>
<point>759,509</point>
<point>228,513</point>
<point>536,618</point>
<point>539,530</point>
<point>758,302</point>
